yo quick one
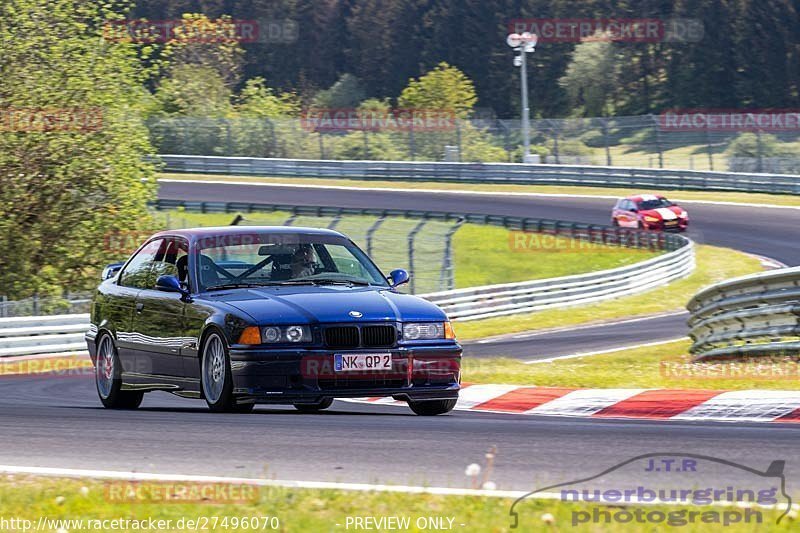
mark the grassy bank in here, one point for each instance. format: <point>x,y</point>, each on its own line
<point>735,197</point>
<point>30,498</point>
<point>666,366</point>
<point>713,265</point>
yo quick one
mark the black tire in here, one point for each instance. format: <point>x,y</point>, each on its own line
<point>432,407</point>
<point>107,377</point>
<point>314,407</point>
<point>216,378</point>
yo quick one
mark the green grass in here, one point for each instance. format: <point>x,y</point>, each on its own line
<point>735,197</point>
<point>30,498</point>
<point>713,265</point>
<point>665,366</point>
<point>482,255</point>
<point>485,255</point>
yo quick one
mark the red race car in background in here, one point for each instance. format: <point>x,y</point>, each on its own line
<point>649,211</point>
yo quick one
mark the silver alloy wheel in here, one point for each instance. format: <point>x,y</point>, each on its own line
<point>213,369</point>
<point>104,370</point>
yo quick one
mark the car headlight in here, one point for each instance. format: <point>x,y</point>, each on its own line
<point>416,331</point>
<point>684,214</point>
<point>651,219</point>
<point>289,334</point>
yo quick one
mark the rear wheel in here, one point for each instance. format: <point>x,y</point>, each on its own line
<point>313,407</point>
<point>432,407</point>
<point>107,373</point>
<point>217,379</point>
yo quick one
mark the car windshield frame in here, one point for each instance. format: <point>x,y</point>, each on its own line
<point>234,273</point>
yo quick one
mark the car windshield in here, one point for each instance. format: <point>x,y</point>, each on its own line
<point>262,259</point>
<point>655,203</point>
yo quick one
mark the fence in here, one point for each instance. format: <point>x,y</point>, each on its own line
<point>757,315</point>
<point>40,306</point>
<point>637,141</point>
<point>503,173</point>
<point>424,247</point>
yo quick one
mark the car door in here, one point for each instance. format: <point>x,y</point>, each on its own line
<point>159,316</point>
<point>629,215</point>
<point>120,309</point>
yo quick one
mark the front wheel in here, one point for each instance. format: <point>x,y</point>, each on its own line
<point>432,407</point>
<point>314,407</point>
<point>107,374</point>
<point>217,379</point>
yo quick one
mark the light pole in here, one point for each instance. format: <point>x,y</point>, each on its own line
<point>525,43</point>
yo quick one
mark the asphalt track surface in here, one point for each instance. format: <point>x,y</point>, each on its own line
<point>581,339</point>
<point>58,422</point>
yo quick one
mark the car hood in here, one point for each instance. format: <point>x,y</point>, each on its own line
<point>664,213</point>
<point>293,305</point>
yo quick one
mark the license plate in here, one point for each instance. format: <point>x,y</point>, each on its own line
<point>354,362</point>
<point>671,223</point>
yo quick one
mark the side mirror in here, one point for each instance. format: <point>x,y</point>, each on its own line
<point>398,277</point>
<point>169,283</point>
<point>111,270</point>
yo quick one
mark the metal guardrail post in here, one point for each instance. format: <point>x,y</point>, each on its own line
<point>411,238</point>
<point>371,232</point>
<point>447,276</point>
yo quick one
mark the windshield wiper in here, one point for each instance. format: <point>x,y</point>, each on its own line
<point>234,286</point>
<point>350,282</point>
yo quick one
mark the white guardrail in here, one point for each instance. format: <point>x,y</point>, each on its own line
<point>512,298</point>
<point>28,335</point>
<point>508,173</point>
<point>64,333</point>
<point>756,315</point>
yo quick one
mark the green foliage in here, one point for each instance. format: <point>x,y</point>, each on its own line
<point>346,93</point>
<point>444,88</point>
<point>750,145</point>
<point>64,187</point>
<point>207,45</point>
<point>592,77</point>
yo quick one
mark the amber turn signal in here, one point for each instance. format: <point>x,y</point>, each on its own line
<point>449,332</point>
<point>250,335</point>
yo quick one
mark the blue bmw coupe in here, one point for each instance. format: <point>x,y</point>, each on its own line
<point>278,315</point>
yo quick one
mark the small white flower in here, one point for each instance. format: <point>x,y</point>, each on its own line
<point>84,491</point>
<point>548,518</point>
<point>60,500</point>
<point>792,515</point>
<point>488,485</point>
<point>473,470</point>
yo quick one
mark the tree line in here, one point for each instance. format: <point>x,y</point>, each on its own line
<point>747,54</point>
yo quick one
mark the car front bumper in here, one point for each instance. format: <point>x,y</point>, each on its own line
<point>308,376</point>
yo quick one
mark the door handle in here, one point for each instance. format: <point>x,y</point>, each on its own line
<point>139,307</point>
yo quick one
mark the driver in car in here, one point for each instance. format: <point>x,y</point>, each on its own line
<point>304,261</point>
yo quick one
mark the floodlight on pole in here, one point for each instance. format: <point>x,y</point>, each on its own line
<point>524,43</point>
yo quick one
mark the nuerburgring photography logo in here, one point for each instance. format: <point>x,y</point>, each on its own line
<point>686,489</point>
